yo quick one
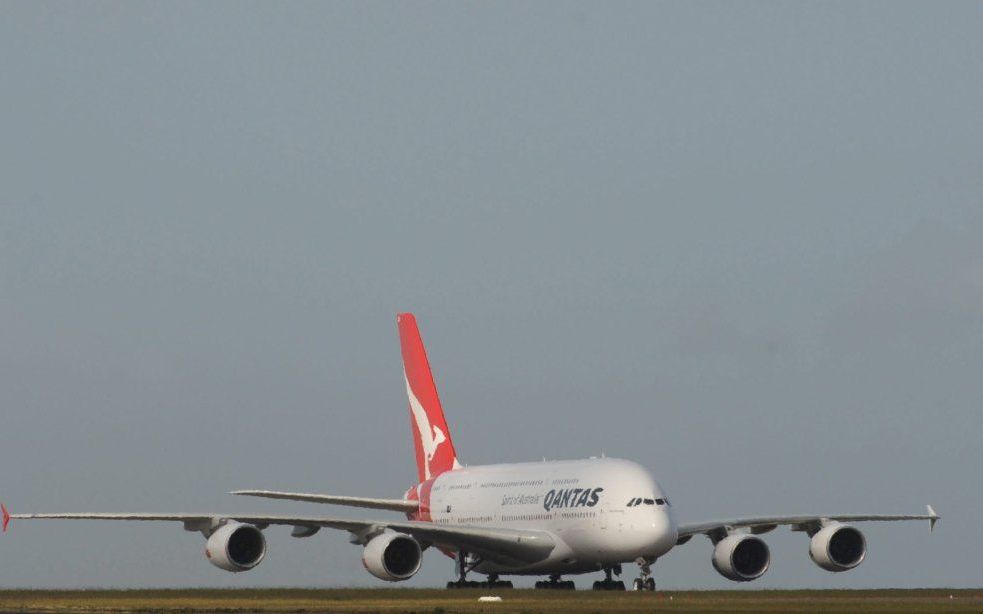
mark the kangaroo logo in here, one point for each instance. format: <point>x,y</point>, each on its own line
<point>430,436</point>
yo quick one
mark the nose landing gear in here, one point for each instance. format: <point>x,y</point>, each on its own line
<point>645,581</point>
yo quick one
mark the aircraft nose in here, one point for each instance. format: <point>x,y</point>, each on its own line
<point>664,531</point>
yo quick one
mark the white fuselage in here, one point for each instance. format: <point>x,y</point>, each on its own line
<point>602,511</point>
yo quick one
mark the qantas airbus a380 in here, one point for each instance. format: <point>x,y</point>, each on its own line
<point>532,519</point>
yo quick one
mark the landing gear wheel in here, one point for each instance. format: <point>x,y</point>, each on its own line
<point>494,582</point>
<point>608,583</point>
<point>464,563</point>
<point>645,582</point>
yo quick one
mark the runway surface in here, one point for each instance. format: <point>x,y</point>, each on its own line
<point>527,601</point>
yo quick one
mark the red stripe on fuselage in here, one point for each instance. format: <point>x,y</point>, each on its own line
<point>421,494</point>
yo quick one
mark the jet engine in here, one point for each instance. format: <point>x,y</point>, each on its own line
<point>236,547</point>
<point>741,558</point>
<point>838,547</point>
<point>392,556</point>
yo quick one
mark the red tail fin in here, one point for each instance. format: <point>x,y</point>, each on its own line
<point>431,438</point>
<point>6,516</point>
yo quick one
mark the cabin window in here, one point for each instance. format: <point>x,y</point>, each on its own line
<point>660,501</point>
<point>649,501</point>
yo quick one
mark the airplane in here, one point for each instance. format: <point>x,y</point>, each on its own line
<point>546,519</point>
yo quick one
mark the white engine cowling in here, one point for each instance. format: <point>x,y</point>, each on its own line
<point>236,547</point>
<point>741,558</point>
<point>392,556</point>
<point>838,547</point>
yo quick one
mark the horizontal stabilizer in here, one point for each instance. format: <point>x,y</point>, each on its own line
<point>395,505</point>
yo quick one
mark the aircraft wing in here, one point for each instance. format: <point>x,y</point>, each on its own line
<point>721,528</point>
<point>396,505</point>
<point>508,546</point>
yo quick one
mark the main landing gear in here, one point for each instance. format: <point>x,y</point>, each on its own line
<point>556,583</point>
<point>608,583</point>
<point>494,582</point>
<point>645,581</point>
<point>466,562</point>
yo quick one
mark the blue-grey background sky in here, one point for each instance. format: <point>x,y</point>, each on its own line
<point>739,243</point>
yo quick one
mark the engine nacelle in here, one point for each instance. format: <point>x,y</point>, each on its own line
<point>838,547</point>
<point>392,556</point>
<point>236,547</point>
<point>741,557</point>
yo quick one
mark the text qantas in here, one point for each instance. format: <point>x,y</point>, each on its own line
<point>572,497</point>
<point>564,497</point>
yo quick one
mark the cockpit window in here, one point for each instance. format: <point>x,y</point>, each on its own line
<point>639,501</point>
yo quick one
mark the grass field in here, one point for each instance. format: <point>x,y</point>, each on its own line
<point>531,601</point>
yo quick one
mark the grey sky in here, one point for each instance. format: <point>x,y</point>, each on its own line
<point>739,243</point>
